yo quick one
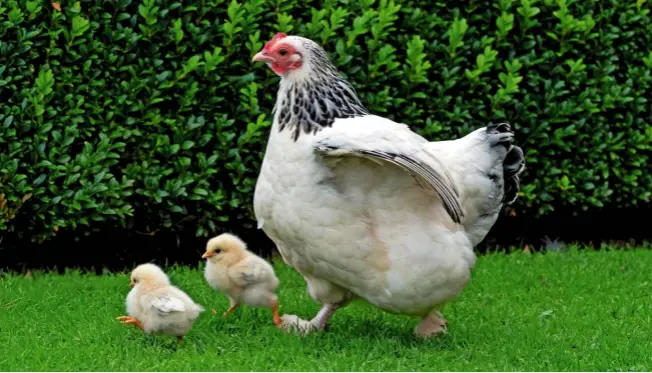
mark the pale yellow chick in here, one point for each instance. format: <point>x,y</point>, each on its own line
<point>155,306</point>
<point>244,277</point>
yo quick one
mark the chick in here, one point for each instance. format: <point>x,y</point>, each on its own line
<point>155,306</point>
<point>244,277</point>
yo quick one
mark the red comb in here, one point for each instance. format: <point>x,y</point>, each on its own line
<point>276,37</point>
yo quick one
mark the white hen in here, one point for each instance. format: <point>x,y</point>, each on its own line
<point>155,306</point>
<point>363,207</point>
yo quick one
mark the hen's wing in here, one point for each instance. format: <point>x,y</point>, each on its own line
<point>167,304</point>
<point>382,140</point>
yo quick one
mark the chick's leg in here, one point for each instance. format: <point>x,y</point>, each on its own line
<point>277,318</point>
<point>233,305</point>
<point>126,320</point>
<point>227,312</point>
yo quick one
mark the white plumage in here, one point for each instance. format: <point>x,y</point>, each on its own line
<point>363,207</point>
<point>156,306</point>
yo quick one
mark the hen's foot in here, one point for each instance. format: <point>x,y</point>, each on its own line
<point>431,325</point>
<point>293,323</point>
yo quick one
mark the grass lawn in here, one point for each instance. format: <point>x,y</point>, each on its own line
<point>575,311</point>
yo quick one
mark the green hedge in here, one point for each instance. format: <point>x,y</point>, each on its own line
<point>149,114</point>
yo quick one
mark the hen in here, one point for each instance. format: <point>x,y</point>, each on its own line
<point>363,207</point>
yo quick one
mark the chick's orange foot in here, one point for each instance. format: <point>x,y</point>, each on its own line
<point>227,312</point>
<point>126,320</point>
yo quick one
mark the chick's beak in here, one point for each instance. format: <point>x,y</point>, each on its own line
<point>262,56</point>
<point>207,255</point>
<point>132,284</point>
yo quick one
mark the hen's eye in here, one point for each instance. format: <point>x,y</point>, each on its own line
<point>283,52</point>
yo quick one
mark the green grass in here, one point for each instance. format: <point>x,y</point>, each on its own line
<point>575,311</point>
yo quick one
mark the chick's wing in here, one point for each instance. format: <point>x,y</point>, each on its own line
<point>248,273</point>
<point>167,304</point>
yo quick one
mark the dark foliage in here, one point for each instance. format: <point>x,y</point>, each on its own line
<point>121,116</point>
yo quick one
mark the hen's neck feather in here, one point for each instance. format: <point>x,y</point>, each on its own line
<point>314,98</point>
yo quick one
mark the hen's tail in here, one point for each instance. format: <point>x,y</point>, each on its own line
<point>486,167</point>
<point>514,161</point>
<point>498,163</point>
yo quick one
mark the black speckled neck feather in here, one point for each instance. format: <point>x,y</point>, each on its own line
<point>318,99</point>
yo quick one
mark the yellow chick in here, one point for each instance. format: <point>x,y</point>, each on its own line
<point>244,277</point>
<point>155,306</point>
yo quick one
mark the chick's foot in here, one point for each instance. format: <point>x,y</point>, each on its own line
<point>126,320</point>
<point>227,312</point>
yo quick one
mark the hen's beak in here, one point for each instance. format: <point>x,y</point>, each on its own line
<point>132,284</point>
<point>207,255</point>
<point>262,56</point>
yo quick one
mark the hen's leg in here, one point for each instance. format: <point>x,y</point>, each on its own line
<point>329,295</point>
<point>325,313</point>
<point>431,325</point>
<point>319,322</point>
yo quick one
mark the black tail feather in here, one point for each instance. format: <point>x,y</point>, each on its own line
<point>514,162</point>
<point>513,166</point>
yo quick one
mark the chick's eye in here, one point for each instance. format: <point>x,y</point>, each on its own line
<point>283,52</point>
<point>217,251</point>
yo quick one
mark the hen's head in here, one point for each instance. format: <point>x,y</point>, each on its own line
<point>287,54</point>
